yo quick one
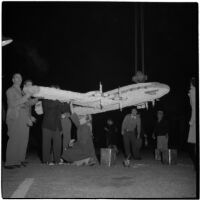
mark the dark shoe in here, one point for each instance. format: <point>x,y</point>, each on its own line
<point>61,162</point>
<point>10,167</point>
<point>91,163</point>
<point>127,163</point>
<point>23,164</point>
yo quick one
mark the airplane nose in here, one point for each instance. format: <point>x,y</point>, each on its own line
<point>164,87</point>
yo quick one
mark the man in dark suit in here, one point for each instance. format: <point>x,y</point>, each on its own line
<point>52,128</point>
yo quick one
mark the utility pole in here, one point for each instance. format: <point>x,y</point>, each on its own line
<point>139,63</point>
<point>136,38</point>
<point>142,35</point>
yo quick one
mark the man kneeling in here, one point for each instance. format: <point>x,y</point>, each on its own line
<point>82,151</point>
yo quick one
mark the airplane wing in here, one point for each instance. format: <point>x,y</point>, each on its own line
<point>97,102</point>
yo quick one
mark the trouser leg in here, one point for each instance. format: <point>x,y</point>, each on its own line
<point>12,150</point>
<point>135,145</point>
<point>138,147</point>
<point>159,148</point>
<point>126,140</point>
<point>4,140</point>
<point>57,146</point>
<point>162,143</point>
<point>24,137</point>
<point>195,156</point>
<point>192,152</point>
<point>46,144</point>
<point>66,126</point>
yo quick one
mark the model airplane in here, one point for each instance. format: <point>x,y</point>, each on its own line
<point>98,101</point>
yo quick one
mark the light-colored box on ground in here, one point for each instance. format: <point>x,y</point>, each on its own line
<point>108,156</point>
<point>169,156</point>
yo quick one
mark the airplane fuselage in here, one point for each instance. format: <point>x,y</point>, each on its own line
<point>94,102</point>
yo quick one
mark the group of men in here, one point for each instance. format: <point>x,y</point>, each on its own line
<point>19,120</point>
<point>56,122</point>
<point>131,131</point>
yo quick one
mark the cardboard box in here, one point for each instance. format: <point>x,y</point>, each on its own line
<point>169,156</point>
<point>108,156</point>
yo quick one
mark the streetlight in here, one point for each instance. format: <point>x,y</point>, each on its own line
<point>6,41</point>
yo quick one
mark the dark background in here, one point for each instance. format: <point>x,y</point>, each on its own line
<point>78,44</point>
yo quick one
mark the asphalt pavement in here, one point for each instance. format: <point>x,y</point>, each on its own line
<point>146,178</point>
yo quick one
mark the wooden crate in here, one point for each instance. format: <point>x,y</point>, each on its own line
<point>169,156</point>
<point>108,156</point>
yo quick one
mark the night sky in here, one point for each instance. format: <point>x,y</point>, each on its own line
<point>79,44</point>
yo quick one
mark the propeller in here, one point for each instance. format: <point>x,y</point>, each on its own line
<point>100,88</point>
<point>153,103</point>
<point>101,93</point>
<point>120,105</point>
<point>120,97</point>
